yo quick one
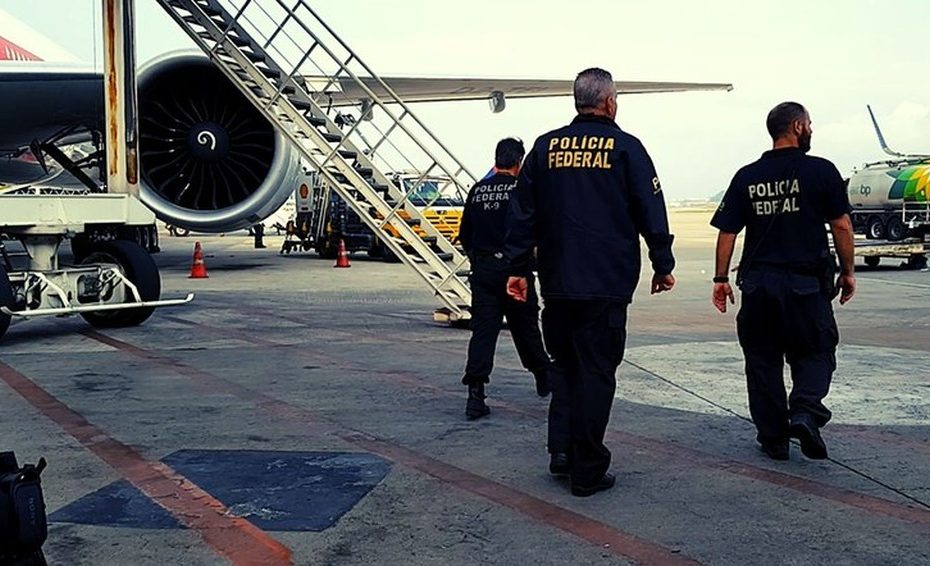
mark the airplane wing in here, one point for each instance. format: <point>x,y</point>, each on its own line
<point>415,89</point>
<point>39,99</point>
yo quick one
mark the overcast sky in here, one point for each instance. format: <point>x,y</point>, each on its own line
<point>834,56</point>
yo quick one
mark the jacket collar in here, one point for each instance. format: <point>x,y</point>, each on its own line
<point>591,118</point>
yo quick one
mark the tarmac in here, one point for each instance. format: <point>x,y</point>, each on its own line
<point>300,414</point>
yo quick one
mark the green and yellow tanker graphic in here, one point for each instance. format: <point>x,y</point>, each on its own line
<point>911,183</point>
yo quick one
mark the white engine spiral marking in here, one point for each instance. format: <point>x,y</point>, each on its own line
<point>207,138</point>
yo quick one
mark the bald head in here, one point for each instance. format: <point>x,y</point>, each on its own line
<point>593,88</point>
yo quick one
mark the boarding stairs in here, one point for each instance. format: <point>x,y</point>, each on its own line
<point>294,68</point>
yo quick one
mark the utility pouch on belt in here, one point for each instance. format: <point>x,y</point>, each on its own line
<point>23,525</point>
<point>827,275</point>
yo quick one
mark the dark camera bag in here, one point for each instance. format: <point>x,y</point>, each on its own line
<point>23,524</point>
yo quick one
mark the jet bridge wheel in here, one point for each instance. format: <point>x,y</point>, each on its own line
<point>6,300</point>
<point>139,267</point>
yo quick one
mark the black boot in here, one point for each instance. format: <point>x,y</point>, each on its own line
<point>542,382</point>
<point>806,431</point>
<point>475,407</point>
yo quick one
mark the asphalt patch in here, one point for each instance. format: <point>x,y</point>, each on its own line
<point>275,491</point>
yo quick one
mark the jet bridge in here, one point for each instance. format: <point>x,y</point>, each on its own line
<point>289,63</point>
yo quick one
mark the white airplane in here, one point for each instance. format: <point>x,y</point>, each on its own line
<point>48,98</point>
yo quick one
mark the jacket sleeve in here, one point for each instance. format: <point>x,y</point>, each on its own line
<point>465,228</point>
<point>521,220</point>
<point>647,205</point>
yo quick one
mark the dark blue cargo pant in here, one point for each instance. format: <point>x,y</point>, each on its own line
<point>490,303</point>
<point>586,340</point>
<point>785,316</point>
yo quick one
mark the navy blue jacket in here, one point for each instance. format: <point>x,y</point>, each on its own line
<point>484,218</point>
<point>585,195</point>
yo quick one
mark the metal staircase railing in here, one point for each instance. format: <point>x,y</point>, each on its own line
<point>293,67</point>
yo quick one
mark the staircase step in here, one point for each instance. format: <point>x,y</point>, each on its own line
<point>315,121</point>
<point>270,73</point>
<point>192,20</point>
<point>330,137</point>
<point>238,41</point>
<point>302,105</point>
<point>252,56</point>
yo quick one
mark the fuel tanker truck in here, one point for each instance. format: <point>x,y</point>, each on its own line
<point>890,198</point>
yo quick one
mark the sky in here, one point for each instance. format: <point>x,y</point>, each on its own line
<point>833,56</point>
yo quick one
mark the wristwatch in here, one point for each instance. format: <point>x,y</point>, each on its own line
<point>721,279</point>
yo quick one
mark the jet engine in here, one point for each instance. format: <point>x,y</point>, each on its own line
<point>209,160</point>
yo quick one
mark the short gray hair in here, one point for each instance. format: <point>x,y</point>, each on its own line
<point>592,86</point>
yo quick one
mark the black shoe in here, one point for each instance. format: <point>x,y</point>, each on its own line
<point>542,382</point>
<point>776,449</point>
<point>606,482</point>
<point>812,444</point>
<point>559,464</point>
<point>475,407</point>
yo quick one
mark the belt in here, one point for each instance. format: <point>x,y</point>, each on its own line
<point>489,255</point>
<point>796,269</point>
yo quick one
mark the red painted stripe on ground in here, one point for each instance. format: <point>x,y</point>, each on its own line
<point>679,452</point>
<point>607,537</point>
<point>807,486</point>
<point>234,538</point>
<point>596,532</point>
<point>871,435</point>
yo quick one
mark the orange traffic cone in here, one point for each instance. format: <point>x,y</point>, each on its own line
<point>342,257</point>
<point>198,268</point>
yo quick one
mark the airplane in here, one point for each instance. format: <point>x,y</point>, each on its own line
<point>48,99</point>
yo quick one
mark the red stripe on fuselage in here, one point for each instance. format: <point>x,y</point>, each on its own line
<point>11,52</point>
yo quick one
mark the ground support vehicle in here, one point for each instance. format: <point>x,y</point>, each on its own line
<point>115,284</point>
<point>913,251</point>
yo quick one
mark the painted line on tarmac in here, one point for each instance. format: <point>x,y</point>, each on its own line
<point>861,433</point>
<point>231,537</point>
<point>606,537</point>
<point>847,497</point>
<point>897,283</point>
<point>868,434</point>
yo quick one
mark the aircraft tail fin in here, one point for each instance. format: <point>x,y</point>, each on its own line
<point>881,139</point>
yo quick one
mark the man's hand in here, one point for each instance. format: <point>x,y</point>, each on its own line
<point>662,283</point>
<point>722,292</point>
<point>516,288</point>
<point>847,286</point>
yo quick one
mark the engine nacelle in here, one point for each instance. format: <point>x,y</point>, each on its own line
<point>209,160</point>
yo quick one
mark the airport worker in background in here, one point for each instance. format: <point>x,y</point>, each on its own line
<point>482,236</point>
<point>787,276</point>
<point>587,193</point>
<point>259,232</point>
